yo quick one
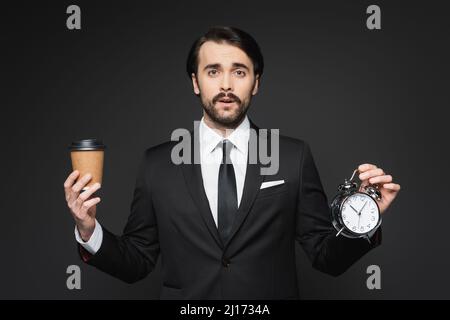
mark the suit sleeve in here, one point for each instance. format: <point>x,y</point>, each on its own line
<point>132,256</point>
<point>314,230</point>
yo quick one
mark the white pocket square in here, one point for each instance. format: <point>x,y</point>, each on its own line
<point>269,184</point>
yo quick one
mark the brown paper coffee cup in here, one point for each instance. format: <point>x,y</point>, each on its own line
<point>87,157</point>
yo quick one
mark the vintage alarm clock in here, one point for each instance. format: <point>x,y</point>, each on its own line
<point>354,210</point>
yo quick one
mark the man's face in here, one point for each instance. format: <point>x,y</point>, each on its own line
<point>225,81</point>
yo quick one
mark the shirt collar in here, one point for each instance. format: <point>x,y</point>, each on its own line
<point>239,137</point>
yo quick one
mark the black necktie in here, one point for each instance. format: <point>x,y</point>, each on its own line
<point>227,194</point>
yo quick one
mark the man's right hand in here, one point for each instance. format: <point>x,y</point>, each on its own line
<point>82,206</point>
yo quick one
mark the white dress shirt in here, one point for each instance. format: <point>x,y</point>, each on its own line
<point>210,159</point>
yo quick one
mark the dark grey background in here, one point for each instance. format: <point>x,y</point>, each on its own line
<point>355,95</point>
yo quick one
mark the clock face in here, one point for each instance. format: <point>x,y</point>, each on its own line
<point>360,213</point>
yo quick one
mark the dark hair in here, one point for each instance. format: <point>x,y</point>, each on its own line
<point>230,35</point>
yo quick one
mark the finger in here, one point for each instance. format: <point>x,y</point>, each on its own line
<point>76,188</point>
<point>81,183</point>
<point>86,194</point>
<point>392,186</point>
<point>88,204</point>
<point>371,173</point>
<point>381,179</point>
<point>366,166</point>
<point>69,182</point>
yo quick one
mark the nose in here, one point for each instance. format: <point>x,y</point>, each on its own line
<point>226,84</point>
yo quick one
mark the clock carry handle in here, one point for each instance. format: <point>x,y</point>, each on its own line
<point>371,189</point>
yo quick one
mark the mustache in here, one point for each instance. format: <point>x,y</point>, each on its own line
<point>230,95</point>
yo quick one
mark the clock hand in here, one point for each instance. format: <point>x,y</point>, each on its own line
<point>360,211</point>
<point>353,209</point>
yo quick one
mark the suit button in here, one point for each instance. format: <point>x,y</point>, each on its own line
<point>226,262</point>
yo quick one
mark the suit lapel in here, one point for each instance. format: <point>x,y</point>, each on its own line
<point>252,184</point>
<point>193,177</point>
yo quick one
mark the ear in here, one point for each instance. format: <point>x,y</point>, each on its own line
<point>195,84</point>
<point>256,85</point>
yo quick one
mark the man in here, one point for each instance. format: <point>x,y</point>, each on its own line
<point>223,229</point>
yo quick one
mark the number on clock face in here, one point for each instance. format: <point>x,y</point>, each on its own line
<point>360,213</point>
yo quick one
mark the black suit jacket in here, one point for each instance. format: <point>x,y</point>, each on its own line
<point>170,217</point>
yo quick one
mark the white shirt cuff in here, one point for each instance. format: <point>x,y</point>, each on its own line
<point>95,242</point>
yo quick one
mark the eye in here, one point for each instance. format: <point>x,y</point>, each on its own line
<point>213,72</point>
<point>240,73</point>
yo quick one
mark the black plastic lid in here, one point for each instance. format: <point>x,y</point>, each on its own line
<point>87,145</point>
